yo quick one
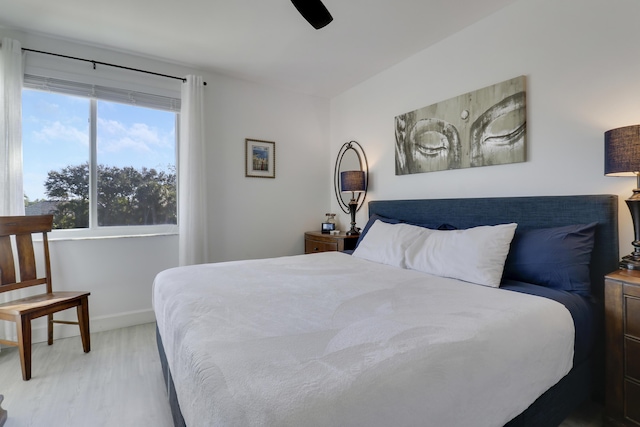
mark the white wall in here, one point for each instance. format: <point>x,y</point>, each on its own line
<point>260,217</point>
<point>249,217</point>
<point>581,62</point>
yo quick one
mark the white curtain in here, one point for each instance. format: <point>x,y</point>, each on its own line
<point>192,206</point>
<point>11,190</point>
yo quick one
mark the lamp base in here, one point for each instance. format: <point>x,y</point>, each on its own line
<point>354,231</point>
<point>630,262</point>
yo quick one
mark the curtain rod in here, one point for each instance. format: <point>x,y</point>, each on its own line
<point>107,64</point>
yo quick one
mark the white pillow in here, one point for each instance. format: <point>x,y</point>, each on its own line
<point>387,243</point>
<point>475,255</point>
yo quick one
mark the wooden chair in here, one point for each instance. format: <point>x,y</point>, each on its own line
<point>22,311</point>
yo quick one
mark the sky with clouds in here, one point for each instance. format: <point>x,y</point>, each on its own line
<point>55,134</point>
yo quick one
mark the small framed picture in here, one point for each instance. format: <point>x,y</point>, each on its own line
<point>260,158</point>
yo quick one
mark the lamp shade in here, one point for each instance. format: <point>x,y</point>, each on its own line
<point>352,181</point>
<point>622,151</point>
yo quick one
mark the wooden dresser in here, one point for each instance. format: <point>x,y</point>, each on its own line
<point>622,324</point>
<point>315,241</point>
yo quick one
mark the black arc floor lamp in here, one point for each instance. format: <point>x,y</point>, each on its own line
<point>622,158</point>
<point>351,174</point>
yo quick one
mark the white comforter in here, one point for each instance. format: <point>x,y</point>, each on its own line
<point>331,340</point>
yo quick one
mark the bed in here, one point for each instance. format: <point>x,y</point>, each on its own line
<point>384,337</point>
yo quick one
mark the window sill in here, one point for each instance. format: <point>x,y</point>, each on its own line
<point>113,233</point>
<point>122,236</point>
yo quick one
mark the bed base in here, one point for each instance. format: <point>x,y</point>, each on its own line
<point>178,420</point>
<point>557,403</point>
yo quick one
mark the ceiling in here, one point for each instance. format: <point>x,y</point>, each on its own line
<point>265,41</point>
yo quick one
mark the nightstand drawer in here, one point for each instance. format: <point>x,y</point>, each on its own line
<point>632,397</point>
<point>632,317</point>
<point>312,246</point>
<point>315,241</point>
<point>632,359</point>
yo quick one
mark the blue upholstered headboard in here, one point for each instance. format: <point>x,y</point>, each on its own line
<point>528,213</point>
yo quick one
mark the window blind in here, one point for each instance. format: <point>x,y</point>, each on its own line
<point>85,90</point>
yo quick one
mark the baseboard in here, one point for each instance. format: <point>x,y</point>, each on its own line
<point>97,324</point>
<point>122,320</point>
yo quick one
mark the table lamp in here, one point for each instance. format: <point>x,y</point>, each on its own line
<point>622,158</point>
<point>353,181</point>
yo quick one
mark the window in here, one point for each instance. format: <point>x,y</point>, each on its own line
<point>97,161</point>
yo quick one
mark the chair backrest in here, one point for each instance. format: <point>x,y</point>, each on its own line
<point>23,227</point>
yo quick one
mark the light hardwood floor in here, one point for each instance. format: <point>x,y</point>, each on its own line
<point>119,383</point>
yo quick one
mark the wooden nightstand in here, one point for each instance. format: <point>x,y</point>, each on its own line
<point>622,326</point>
<point>315,241</point>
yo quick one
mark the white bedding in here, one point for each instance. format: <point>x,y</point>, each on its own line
<point>331,340</point>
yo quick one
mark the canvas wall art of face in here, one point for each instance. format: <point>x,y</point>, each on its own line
<point>481,128</point>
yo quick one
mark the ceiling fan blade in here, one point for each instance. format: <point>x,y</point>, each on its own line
<point>314,12</point>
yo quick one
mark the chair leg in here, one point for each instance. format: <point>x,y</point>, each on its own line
<point>50,329</point>
<point>3,412</point>
<point>83,322</point>
<point>23,326</point>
